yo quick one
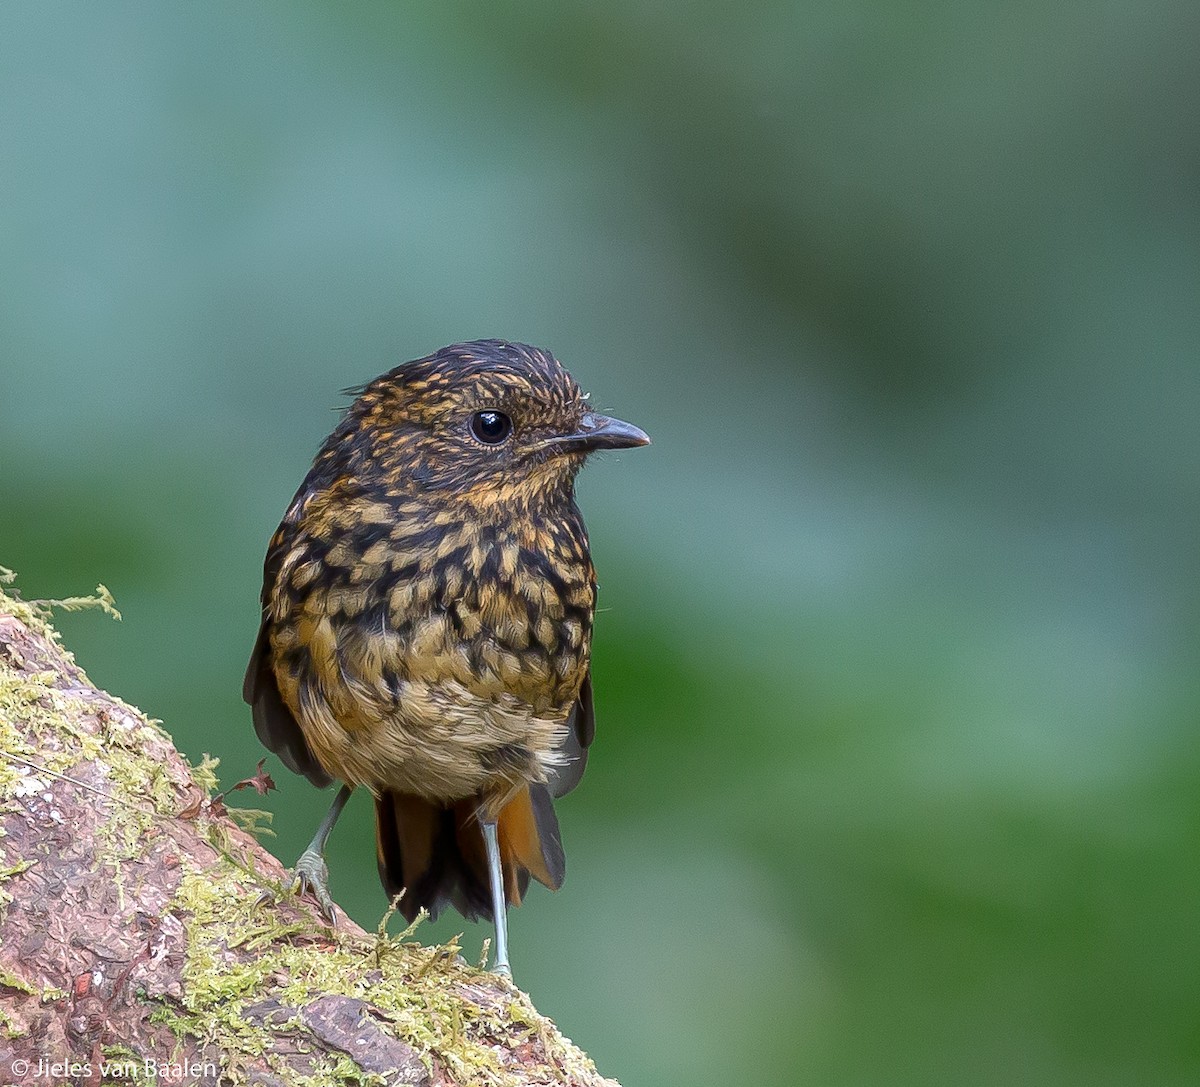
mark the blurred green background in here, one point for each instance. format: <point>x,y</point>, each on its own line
<point>898,770</point>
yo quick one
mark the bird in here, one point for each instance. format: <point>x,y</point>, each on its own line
<point>426,627</point>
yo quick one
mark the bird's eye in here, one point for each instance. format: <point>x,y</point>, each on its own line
<point>491,427</point>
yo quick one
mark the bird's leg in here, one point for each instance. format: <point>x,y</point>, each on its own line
<point>499,901</point>
<point>311,870</point>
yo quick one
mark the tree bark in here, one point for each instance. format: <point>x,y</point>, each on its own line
<point>137,946</point>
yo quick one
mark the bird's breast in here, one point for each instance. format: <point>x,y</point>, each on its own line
<point>430,629</point>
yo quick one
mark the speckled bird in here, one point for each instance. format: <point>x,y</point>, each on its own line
<point>426,627</point>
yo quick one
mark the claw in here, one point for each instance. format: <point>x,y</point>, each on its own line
<point>312,874</point>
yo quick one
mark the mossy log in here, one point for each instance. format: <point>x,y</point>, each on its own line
<point>138,946</point>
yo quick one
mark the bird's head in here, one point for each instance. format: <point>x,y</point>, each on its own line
<point>488,422</point>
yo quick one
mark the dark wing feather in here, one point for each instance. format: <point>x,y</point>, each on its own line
<point>549,836</point>
<point>273,721</point>
<point>581,729</point>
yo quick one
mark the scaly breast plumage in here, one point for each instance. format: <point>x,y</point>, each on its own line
<point>502,620</point>
<point>439,702</point>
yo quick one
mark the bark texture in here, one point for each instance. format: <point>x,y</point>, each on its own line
<point>136,947</point>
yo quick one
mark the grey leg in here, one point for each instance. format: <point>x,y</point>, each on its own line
<point>499,902</point>
<point>311,870</point>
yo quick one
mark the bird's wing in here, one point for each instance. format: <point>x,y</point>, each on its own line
<point>581,729</point>
<point>273,721</point>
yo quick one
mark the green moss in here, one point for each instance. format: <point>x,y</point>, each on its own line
<point>133,1070</point>
<point>14,981</point>
<point>253,821</point>
<point>36,614</point>
<point>28,708</point>
<point>7,874</point>
<point>205,775</point>
<point>9,1027</point>
<point>340,1070</point>
<point>40,733</point>
<point>140,787</point>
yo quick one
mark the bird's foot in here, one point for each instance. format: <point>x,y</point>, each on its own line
<point>312,877</point>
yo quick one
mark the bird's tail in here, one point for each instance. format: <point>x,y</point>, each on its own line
<point>435,854</point>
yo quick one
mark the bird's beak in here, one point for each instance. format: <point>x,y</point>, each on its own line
<point>599,432</point>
